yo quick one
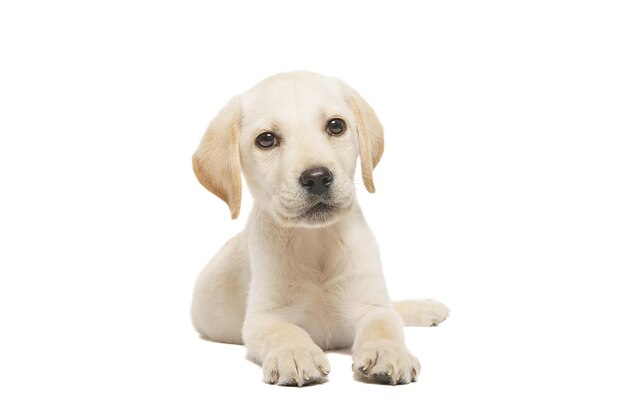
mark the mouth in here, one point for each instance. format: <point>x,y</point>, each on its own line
<point>318,214</point>
<point>312,211</point>
<point>319,210</point>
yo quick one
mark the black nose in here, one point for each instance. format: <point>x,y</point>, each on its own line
<point>316,180</point>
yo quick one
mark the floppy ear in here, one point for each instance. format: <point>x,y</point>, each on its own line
<point>371,138</point>
<point>216,161</point>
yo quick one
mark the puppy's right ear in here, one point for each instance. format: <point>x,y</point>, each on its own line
<point>216,161</point>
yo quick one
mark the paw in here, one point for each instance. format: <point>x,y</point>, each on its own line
<point>433,313</point>
<point>296,366</point>
<point>385,362</point>
<point>423,313</point>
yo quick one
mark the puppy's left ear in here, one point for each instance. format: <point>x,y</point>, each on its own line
<point>371,138</point>
<point>216,161</point>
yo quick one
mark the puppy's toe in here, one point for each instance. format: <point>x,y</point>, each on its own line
<point>422,312</point>
<point>386,363</point>
<point>295,367</point>
<point>436,313</point>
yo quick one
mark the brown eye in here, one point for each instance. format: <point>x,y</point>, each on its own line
<point>266,140</point>
<point>336,127</point>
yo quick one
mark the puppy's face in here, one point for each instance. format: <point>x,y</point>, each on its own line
<point>299,145</point>
<point>296,137</point>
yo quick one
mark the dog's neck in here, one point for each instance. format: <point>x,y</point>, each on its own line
<point>304,248</point>
<point>263,224</point>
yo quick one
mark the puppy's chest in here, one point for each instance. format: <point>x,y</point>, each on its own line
<point>310,280</point>
<point>315,297</point>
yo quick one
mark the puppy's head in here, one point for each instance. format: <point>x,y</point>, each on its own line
<point>296,137</point>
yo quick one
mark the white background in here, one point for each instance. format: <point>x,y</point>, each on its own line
<point>502,192</point>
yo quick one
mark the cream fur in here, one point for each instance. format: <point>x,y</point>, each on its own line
<point>290,285</point>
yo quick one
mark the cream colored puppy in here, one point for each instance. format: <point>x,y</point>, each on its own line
<point>305,274</point>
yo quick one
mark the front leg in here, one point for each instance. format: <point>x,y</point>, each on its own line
<point>287,353</point>
<point>379,352</point>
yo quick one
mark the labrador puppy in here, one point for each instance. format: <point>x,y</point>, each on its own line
<point>305,274</point>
